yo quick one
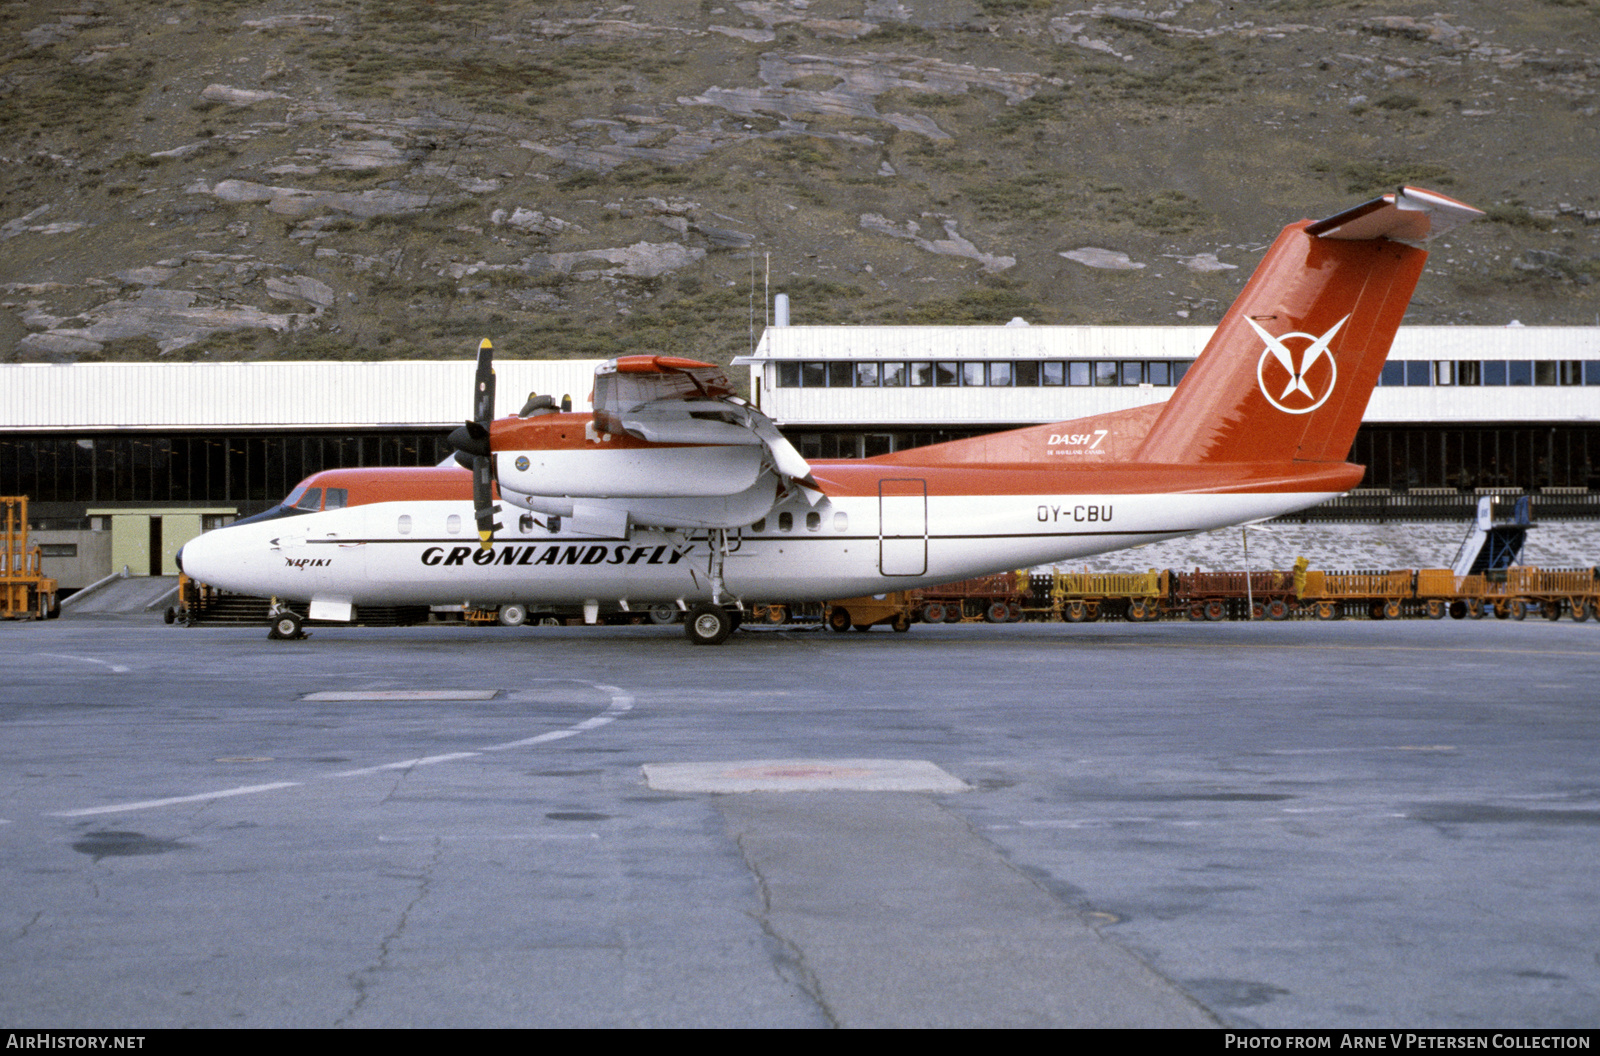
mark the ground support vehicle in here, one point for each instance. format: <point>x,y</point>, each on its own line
<point>895,609</point>
<point>1550,591</point>
<point>1080,597</point>
<point>1440,592</point>
<point>25,593</point>
<point>1382,595</point>
<point>994,599</point>
<point>1215,596</point>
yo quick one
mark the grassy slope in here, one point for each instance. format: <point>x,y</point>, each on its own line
<point>1201,134</point>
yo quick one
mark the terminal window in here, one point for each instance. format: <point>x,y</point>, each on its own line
<point>983,373</point>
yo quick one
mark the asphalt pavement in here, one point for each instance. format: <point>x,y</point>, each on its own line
<point>1355,824</point>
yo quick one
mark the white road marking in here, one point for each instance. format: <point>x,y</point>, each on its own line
<point>621,703</point>
<point>118,808</point>
<point>403,694</point>
<point>119,669</point>
<point>406,764</point>
<point>803,775</point>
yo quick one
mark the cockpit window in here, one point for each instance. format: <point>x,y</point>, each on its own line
<point>338,499</point>
<point>294,496</point>
<point>311,500</point>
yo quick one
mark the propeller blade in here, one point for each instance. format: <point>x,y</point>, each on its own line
<point>483,403</point>
<point>473,449</point>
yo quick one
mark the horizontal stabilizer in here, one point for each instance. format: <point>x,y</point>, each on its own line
<point>1410,214</point>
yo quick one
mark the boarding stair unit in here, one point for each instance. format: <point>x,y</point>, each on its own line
<point>1494,541</point>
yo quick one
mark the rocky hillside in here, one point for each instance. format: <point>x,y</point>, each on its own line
<point>396,178</point>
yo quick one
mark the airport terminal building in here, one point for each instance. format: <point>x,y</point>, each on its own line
<point>124,462</point>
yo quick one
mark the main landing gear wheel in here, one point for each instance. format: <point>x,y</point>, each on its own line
<point>513,615</point>
<point>286,626</point>
<point>708,624</point>
<point>663,614</point>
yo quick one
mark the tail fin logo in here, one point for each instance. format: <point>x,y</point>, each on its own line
<point>1297,383</point>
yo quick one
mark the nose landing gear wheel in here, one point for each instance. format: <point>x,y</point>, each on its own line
<point>285,627</point>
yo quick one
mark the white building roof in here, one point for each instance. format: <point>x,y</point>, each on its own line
<point>310,394</point>
<point>956,406</point>
<point>428,394</point>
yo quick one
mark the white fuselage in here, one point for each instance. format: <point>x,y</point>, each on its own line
<point>426,553</point>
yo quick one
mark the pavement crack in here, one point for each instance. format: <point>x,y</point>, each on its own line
<point>789,961</point>
<point>363,980</point>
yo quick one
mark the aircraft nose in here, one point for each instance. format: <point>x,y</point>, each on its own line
<point>177,559</point>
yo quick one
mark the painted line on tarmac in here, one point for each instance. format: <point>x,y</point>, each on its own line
<point>621,703</point>
<point>1332,647</point>
<point>407,764</point>
<point>117,669</point>
<point>118,808</point>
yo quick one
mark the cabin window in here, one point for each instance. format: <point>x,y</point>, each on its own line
<point>813,521</point>
<point>311,500</point>
<point>759,526</point>
<point>785,522</point>
<point>404,524</point>
<point>841,521</point>
<point>452,524</point>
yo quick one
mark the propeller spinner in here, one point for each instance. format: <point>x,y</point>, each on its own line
<point>471,442</point>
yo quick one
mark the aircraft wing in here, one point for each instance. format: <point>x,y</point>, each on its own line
<point>666,400</point>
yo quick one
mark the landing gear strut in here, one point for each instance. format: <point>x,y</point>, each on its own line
<point>710,623</point>
<point>285,624</point>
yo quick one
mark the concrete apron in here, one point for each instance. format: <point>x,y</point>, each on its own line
<point>899,916</point>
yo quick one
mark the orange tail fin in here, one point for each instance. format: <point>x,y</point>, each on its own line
<point>1287,375</point>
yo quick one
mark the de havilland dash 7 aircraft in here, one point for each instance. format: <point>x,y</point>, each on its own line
<point>676,491</point>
